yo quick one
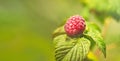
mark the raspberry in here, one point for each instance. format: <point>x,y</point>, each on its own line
<point>75,25</point>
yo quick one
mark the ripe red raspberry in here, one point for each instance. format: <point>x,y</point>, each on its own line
<point>75,25</point>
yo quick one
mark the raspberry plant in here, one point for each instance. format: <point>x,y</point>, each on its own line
<point>76,45</point>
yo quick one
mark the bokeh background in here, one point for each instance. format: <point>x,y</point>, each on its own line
<point>26,26</point>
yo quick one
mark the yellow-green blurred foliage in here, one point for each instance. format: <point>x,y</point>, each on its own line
<point>26,26</point>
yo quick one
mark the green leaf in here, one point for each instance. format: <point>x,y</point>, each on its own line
<point>95,34</point>
<point>92,26</point>
<point>60,30</point>
<point>71,49</point>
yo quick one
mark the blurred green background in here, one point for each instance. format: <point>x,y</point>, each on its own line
<point>26,26</point>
